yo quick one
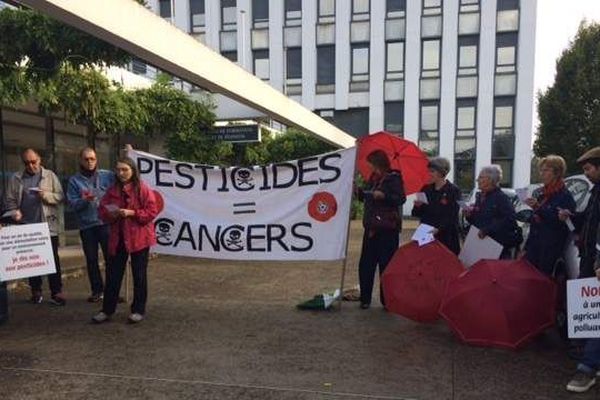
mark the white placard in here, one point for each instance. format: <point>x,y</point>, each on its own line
<point>293,210</point>
<point>25,251</point>
<point>476,249</point>
<point>422,197</point>
<point>423,234</point>
<point>583,308</point>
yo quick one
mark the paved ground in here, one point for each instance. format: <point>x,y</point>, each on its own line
<point>230,330</point>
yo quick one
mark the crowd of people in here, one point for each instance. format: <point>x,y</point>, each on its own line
<point>116,211</point>
<point>553,209</point>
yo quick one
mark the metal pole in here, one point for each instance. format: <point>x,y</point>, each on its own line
<point>2,162</point>
<point>345,263</point>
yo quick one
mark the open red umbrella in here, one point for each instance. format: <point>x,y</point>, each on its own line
<point>403,154</point>
<point>500,303</point>
<point>415,280</point>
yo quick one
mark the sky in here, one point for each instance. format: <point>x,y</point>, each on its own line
<point>557,24</point>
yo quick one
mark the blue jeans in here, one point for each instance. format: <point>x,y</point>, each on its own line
<point>590,362</point>
<point>91,239</point>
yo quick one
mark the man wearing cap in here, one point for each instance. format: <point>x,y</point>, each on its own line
<point>587,224</point>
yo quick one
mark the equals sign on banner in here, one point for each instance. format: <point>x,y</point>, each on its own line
<point>244,208</point>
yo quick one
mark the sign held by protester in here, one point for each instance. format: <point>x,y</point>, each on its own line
<point>25,251</point>
<point>476,249</point>
<point>294,210</point>
<point>583,308</point>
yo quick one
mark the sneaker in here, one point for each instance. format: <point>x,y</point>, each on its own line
<point>581,382</point>
<point>135,318</point>
<point>95,298</point>
<point>364,306</point>
<point>58,299</point>
<point>36,298</point>
<point>100,317</point>
<point>121,300</point>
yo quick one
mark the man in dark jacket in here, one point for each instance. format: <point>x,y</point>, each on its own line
<point>587,228</point>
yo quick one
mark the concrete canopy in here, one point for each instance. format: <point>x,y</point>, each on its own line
<point>130,26</point>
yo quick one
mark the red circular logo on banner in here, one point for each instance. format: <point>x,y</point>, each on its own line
<point>322,206</point>
<point>160,202</point>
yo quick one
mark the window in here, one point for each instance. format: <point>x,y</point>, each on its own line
<point>261,63</point>
<point>466,81</point>
<point>468,17</point>
<point>326,11</point>
<point>503,138</point>
<point>360,67</point>
<point>294,63</point>
<point>230,55</point>
<point>360,10</point>
<point>228,15</point>
<point>466,117</point>
<point>138,67</point>
<point>293,12</point>
<point>394,60</point>
<point>394,117</point>
<point>260,13</point>
<point>395,8</point>
<point>430,69</point>
<point>355,121</point>
<point>507,19</point>
<point>326,68</point>
<point>429,132</point>
<point>506,64</point>
<point>464,175</point>
<point>197,16</point>
<point>164,8</point>
<point>431,20</point>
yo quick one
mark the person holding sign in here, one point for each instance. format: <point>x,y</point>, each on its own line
<point>383,196</point>
<point>548,233</point>
<point>85,190</point>
<point>34,195</point>
<point>441,209</point>
<point>493,213</point>
<point>586,226</point>
<point>129,207</point>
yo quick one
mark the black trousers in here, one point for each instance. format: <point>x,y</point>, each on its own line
<point>54,280</point>
<point>114,277</point>
<point>377,251</point>
<point>91,240</point>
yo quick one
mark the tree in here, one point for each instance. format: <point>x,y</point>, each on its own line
<point>569,111</point>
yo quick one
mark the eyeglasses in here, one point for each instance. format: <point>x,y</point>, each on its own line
<point>30,162</point>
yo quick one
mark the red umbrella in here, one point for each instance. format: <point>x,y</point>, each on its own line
<point>499,303</point>
<point>404,155</point>
<point>415,279</point>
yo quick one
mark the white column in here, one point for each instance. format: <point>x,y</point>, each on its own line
<point>485,101</point>
<point>342,53</point>
<point>525,94</point>
<point>448,84</point>
<point>412,70</point>
<point>244,38</point>
<point>309,53</point>
<point>182,14</point>
<point>213,24</point>
<point>276,60</point>
<point>377,66</point>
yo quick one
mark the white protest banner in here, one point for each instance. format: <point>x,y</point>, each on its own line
<point>476,249</point>
<point>294,210</point>
<point>423,234</point>
<point>583,308</point>
<point>25,251</point>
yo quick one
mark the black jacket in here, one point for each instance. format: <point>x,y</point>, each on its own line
<point>392,186</point>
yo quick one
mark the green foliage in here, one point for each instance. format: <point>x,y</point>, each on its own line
<point>569,111</point>
<point>294,144</point>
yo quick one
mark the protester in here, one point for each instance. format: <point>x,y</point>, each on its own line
<point>547,232</point>
<point>441,209</point>
<point>130,207</point>
<point>586,224</point>
<point>34,196</point>
<point>382,197</point>
<point>493,213</point>
<point>84,192</point>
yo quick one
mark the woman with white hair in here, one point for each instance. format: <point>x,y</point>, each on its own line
<point>493,213</point>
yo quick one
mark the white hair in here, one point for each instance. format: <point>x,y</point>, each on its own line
<point>494,172</point>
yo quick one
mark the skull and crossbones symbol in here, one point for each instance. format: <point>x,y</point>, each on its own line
<point>244,177</point>
<point>164,231</point>
<point>235,239</point>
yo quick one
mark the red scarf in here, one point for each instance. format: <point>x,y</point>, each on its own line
<point>552,189</point>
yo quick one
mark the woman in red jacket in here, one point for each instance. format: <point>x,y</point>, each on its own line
<point>129,207</point>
